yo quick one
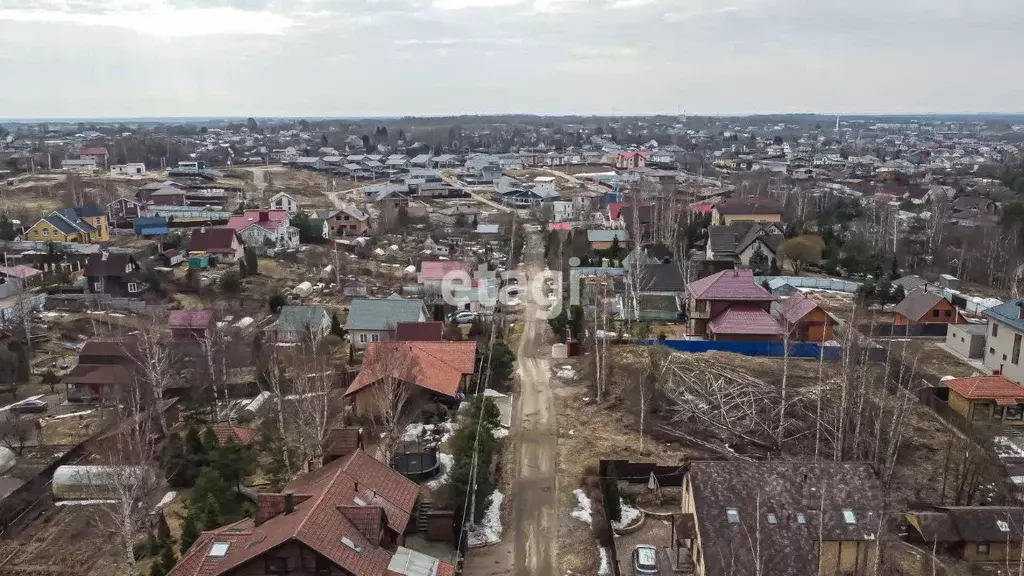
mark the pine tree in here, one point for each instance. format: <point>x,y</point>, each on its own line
<point>612,498</point>
<point>189,532</point>
<point>211,517</point>
<point>163,531</point>
<point>336,328</point>
<point>167,559</point>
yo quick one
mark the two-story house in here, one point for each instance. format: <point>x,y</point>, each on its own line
<point>262,229</point>
<point>1003,339</point>
<point>805,320</point>
<point>284,201</point>
<point>115,273</point>
<point>375,320</point>
<point>86,223</point>
<point>348,518</point>
<point>103,366</point>
<point>779,517</point>
<point>349,220</point>
<point>741,241</point>
<point>746,209</point>
<point>432,371</point>
<point>222,243</point>
<point>729,305</point>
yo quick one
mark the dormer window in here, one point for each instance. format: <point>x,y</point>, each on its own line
<point>848,516</point>
<point>732,515</point>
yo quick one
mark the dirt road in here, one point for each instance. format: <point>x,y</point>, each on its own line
<point>535,524</point>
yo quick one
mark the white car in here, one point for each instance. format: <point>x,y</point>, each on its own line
<point>463,317</point>
<point>645,560</point>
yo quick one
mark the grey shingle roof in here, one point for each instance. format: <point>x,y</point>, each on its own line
<point>299,318</point>
<point>917,303</point>
<point>375,314</point>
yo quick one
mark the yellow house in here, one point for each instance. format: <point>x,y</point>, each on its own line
<point>86,223</point>
<point>748,209</point>
<point>728,505</point>
<point>988,400</point>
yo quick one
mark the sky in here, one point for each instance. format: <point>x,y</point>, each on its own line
<point>209,58</point>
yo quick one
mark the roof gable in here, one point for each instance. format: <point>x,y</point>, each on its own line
<point>737,285</point>
<point>436,366</point>
<point>917,304</point>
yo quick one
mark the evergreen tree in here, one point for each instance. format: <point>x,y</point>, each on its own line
<point>336,328</point>
<point>612,498</point>
<point>774,270</point>
<point>209,441</point>
<point>167,559</point>
<point>189,533</point>
<point>252,262</point>
<point>163,531</point>
<point>157,569</point>
<point>210,513</point>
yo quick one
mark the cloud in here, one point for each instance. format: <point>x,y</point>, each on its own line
<point>682,16</point>
<point>465,4</point>
<point>164,21</point>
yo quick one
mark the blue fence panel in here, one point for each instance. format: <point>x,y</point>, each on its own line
<point>796,349</point>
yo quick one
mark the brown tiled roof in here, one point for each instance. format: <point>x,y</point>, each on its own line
<point>98,374</point>
<point>736,285</point>
<point>436,366</point>
<point>211,240</point>
<point>237,434</point>
<point>1000,389</point>
<point>794,492</point>
<point>326,511</point>
<point>794,308</point>
<point>342,441</point>
<point>190,318</point>
<point>419,331</point>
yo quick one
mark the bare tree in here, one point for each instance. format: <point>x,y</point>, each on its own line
<point>391,371</point>
<point>311,386</point>
<point>275,382</point>
<point>148,349</point>
<point>15,432</point>
<point>215,345</point>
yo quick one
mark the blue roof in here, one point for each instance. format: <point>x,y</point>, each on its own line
<point>153,231</point>
<point>61,224</point>
<point>148,221</point>
<point>1008,313</point>
<point>374,314</point>
<point>71,215</point>
<point>299,318</point>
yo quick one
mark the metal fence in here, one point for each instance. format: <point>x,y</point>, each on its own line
<point>24,245</point>
<point>81,302</point>
<point>834,284</point>
<point>770,349</point>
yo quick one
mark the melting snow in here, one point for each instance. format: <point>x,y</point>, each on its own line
<point>414,432</point>
<point>627,518</point>
<point>566,372</point>
<point>499,433</point>
<point>488,531</point>
<point>1007,447</point>
<point>83,502</point>
<point>447,461</point>
<point>606,565</point>
<point>166,499</point>
<point>494,393</point>
<point>582,510</point>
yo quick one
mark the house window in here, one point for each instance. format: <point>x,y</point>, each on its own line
<point>276,564</point>
<point>374,337</point>
<point>991,350</point>
<point>935,313</point>
<point>362,338</point>
<point>133,287</point>
<point>323,566</point>
<point>732,515</point>
<point>948,313</point>
<point>1015,412</point>
<point>848,516</point>
<point>1015,355</point>
<point>983,549</point>
<point>97,286</point>
<point>46,232</point>
<point>995,329</point>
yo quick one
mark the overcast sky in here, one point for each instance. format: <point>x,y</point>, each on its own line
<point>135,58</point>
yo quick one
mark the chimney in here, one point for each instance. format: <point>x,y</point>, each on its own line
<point>357,487</point>
<point>264,215</point>
<point>289,503</point>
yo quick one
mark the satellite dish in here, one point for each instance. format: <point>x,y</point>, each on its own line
<point>574,261</point>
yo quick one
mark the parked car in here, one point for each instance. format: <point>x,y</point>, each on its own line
<point>645,560</point>
<point>31,407</point>
<point>463,317</point>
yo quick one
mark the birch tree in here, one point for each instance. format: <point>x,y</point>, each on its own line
<point>390,390</point>
<point>151,354</point>
<point>312,387</point>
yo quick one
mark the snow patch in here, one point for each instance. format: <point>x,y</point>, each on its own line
<point>582,511</point>
<point>488,531</point>
<point>83,502</point>
<point>414,432</point>
<point>71,415</point>
<point>628,516</point>
<point>1007,447</point>
<point>606,565</point>
<point>166,500</point>
<point>499,433</point>
<point>566,372</point>
<point>494,393</point>
<point>447,462</point>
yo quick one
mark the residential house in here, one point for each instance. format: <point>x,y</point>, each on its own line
<point>729,305</point>
<point>103,367</point>
<point>631,160</point>
<point>219,242</point>
<point>805,320</point>
<point>741,241</point>
<point>262,229</point>
<point>605,239</point>
<point>968,340</point>
<point>348,517</point>
<point>349,220</point>
<point>433,371</point>
<point>987,400</point>
<point>241,435</point>
<point>375,320</point>
<point>806,518</point>
<point>974,203</point>
<point>433,273</point>
<point>342,441</point>
<point>923,307</point>
<point>115,273</point>
<point>1003,340</point>
<point>655,292</point>
<point>284,201</point>
<point>97,154</point>
<point>191,326</point>
<point>747,209</point>
<point>298,323</point>
<point>171,258</point>
<point>123,209</point>
<point>85,224</point>
<point>973,534</point>
<point>311,162</point>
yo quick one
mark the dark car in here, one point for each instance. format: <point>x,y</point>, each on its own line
<point>30,407</point>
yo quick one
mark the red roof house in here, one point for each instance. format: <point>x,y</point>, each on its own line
<point>221,242</point>
<point>238,434</point>
<point>190,325</point>
<point>993,400</point>
<point>347,517</point>
<point>805,320</point>
<point>434,369</point>
<point>268,219</point>
<point>433,272</point>
<point>712,296</point>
